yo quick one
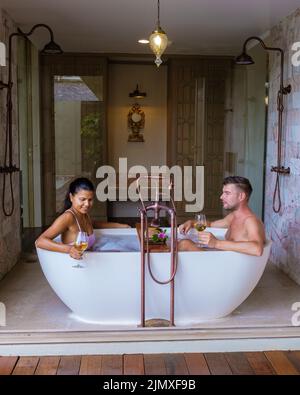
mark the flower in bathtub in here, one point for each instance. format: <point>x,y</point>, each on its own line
<point>159,236</point>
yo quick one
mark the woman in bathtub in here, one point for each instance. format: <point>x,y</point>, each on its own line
<point>75,218</point>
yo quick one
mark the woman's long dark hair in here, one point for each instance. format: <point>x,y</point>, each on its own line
<point>75,186</point>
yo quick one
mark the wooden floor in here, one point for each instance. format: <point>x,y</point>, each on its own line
<point>249,363</point>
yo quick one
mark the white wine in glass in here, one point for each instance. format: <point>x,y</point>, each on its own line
<point>81,244</point>
<point>200,224</point>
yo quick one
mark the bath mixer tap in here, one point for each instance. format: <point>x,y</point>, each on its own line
<point>144,236</point>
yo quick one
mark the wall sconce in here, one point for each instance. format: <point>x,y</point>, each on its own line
<point>9,168</point>
<point>137,94</point>
<point>136,118</point>
<point>245,59</point>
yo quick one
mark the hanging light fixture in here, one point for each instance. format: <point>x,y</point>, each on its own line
<point>158,40</point>
<point>137,94</point>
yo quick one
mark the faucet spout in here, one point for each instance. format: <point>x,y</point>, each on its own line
<point>155,220</point>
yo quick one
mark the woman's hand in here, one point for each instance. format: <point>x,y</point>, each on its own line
<point>184,228</point>
<point>74,253</point>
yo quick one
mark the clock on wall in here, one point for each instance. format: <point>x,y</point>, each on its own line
<point>136,123</point>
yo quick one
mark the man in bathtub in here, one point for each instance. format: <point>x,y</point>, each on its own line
<point>245,231</point>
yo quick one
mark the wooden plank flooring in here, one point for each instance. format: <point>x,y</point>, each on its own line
<point>237,363</point>
<point>47,366</point>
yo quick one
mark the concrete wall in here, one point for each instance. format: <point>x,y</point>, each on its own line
<point>284,228</point>
<point>122,80</point>
<point>67,134</point>
<point>10,238</point>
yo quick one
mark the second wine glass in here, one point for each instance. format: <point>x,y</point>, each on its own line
<point>81,244</point>
<point>200,225</point>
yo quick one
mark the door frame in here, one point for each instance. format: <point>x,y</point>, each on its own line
<point>65,64</point>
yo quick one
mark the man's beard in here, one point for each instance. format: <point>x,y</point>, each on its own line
<point>232,208</point>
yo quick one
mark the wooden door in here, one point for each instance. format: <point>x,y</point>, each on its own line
<point>196,124</point>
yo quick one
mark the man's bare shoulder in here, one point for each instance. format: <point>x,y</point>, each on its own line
<point>253,219</point>
<point>229,218</point>
<point>255,225</point>
<point>222,223</point>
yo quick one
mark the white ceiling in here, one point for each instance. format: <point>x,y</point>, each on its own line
<point>114,26</point>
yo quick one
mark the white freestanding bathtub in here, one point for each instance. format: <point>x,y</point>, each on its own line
<point>208,284</point>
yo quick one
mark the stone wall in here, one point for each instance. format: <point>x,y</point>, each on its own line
<point>10,235</point>
<point>284,228</point>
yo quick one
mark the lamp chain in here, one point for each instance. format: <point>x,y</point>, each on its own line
<point>158,12</point>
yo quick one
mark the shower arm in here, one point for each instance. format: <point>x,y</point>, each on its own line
<point>283,90</point>
<point>10,168</point>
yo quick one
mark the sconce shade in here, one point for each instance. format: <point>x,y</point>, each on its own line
<point>52,48</point>
<point>137,94</point>
<point>244,59</point>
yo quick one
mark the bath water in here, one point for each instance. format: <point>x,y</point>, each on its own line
<point>117,243</point>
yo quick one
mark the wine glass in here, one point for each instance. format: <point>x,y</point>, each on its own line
<point>81,244</point>
<point>200,224</point>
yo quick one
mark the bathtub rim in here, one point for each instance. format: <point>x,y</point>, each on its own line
<point>132,231</point>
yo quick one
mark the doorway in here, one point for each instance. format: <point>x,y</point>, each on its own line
<point>29,142</point>
<point>74,126</point>
<point>196,124</point>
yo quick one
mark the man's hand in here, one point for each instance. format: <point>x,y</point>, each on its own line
<point>74,253</point>
<point>184,228</point>
<point>208,239</point>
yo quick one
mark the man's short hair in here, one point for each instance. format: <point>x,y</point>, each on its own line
<point>241,182</point>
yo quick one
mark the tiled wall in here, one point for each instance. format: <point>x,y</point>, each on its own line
<point>10,240</point>
<point>284,228</point>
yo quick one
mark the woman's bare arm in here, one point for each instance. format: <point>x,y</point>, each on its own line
<point>60,225</point>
